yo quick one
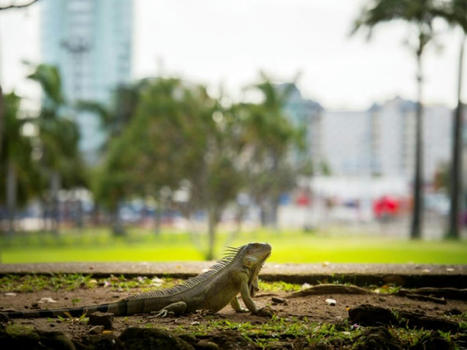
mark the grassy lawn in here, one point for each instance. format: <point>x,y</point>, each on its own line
<point>288,246</point>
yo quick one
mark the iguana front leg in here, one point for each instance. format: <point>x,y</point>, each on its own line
<point>236,305</point>
<point>250,304</point>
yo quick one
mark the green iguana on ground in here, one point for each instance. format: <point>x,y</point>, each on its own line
<point>236,273</point>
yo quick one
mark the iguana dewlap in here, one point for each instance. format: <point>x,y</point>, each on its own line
<point>236,273</point>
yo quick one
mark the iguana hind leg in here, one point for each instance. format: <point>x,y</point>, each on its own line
<point>173,309</point>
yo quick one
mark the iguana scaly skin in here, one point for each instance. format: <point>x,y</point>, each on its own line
<point>236,273</point>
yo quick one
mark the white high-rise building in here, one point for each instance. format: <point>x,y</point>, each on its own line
<point>381,140</point>
<point>91,43</point>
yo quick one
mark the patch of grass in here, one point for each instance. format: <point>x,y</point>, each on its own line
<point>34,283</point>
<point>288,246</point>
<point>278,286</point>
<point>409,335</point>
<point>15,329</point>
<point>275,330</point>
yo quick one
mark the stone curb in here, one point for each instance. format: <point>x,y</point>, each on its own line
<point>408,275</point>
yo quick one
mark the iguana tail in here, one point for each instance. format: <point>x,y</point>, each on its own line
<point>118,309</point>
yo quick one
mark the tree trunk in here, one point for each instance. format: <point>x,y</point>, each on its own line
<point>55,184</point>
<point>274,213</point>
<point>212,223</point>
<point>456,162</point>
<point>79,213</point>
<point>417,217</point>
<point>11,192</point>
<point>117,225</point>
<point>158,217</point>
<point>1,118</point>
<point>263,215</point>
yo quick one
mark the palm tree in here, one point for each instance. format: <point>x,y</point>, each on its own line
<point>455,13</point>
<point>59,136</point>
<point>272,136</point>
<point>419,14</point>
<point>15,161</point>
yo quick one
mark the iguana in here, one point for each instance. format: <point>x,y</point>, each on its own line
<point>236,273</point>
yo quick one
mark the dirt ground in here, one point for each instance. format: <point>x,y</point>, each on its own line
<point>314,308</point>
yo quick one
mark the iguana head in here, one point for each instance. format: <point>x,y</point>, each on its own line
<point>253,257</point>
<point>254,254</point>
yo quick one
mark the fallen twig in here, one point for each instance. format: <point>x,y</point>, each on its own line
<point>321,289</point>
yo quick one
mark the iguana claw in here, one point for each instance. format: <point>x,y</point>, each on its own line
<point>163,313</point>
<point>265,312</point>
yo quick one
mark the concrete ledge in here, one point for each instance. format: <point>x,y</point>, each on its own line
<point>408,275</point>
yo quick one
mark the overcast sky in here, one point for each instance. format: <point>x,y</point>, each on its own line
<point>227,42</point>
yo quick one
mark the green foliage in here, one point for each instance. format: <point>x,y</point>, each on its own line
<point>454,12</point>
<point>58,135</point>
<point>16,152</point>
<point>420,13</point>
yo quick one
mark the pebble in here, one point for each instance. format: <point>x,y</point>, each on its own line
<point>101,319</point>
<point>277,300</point>
<point>96,329</point>
<point>207,345</point>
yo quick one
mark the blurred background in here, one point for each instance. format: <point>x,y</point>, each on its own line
<point>167,130</point>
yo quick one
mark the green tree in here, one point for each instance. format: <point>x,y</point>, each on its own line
<point>455,13</point>
<point>420,15</point>
<point>21,180</point>
<point>271,138</point>
<point>111,180</point>
<point>158,137</point>
<point>60,158</point>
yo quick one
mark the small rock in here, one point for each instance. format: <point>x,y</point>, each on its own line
<point>450,269</point>
<point>10,294</point>
<point>331,302</point>
<point>3,318</point>
<point>47,300</point>
<point>96,330</point>
<point>151,338</point>
<point>189,338</point>
<point>453,312</point>
<point>433,341</point>
<point>206,345</point>
<point>195,323</point>
<point>101,319</point>
<point>157,282</point>
<point>277,300</point>
<point>306,285</point>
<point>370,315</point>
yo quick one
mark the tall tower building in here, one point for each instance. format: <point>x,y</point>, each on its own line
<point>90,41</point>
